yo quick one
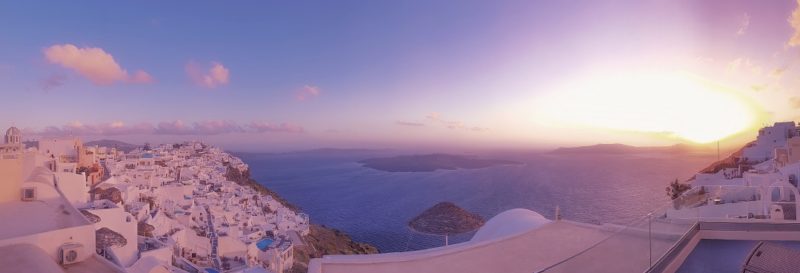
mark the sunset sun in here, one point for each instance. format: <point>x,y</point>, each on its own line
<point>675,104</point>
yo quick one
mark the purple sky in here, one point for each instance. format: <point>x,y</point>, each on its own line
<point>264,75</point>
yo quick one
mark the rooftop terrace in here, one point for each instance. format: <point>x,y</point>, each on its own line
<point>50,215</point>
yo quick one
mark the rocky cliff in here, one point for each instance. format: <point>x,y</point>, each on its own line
<point>320,241</point>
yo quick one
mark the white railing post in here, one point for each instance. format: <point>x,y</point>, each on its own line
<point>650,237</point>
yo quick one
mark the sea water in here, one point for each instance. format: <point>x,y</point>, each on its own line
<point>375,206</point>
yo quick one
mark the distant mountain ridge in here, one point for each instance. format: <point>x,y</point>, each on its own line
<point>123,146</point>
<point>617,148</point>
<point>431,162</point>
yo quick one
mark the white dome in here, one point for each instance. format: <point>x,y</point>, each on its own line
<point>13,135</point>
<point>510,222</point>
<point>13,131</point>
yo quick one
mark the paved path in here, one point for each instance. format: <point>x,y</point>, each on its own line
<point>212,234</point>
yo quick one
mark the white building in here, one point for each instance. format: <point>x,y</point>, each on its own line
<point>41,230</point>
<point>769,138</point>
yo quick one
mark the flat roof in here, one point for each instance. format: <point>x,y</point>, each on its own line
<point>27,258</point>
<point>93,264</point>
<point>30,258</point>
<point>523,253</point>
<point>27,218</point>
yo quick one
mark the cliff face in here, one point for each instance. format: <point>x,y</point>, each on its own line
<point>320,241</point>
<point>323,240</point>
<point>243,178</point>
<point>732,161</point>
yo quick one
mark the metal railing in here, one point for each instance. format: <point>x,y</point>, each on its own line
<point>644,242</point>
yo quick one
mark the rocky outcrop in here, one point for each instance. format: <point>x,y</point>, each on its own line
<point>243,178</point>
<point>323,240</point>
<point>111,194</point>
<point>446,218</point>
<point>732,161</point>
<point>91,216</point>
<point>106,237</point>
<point>144,229</point>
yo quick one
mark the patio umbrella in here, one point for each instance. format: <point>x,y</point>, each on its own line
<point>446,218</point>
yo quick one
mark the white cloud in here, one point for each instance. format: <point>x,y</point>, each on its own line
<point>215,76</point>
<point>93,63</point>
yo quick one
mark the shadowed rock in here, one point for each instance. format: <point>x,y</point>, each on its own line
<point>111,194</point>
<point>446,218</point>
<point>92,218</point>
<point>108,238</point>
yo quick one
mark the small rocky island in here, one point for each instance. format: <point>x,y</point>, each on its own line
<point>430,162</point>
<point>446,218</point>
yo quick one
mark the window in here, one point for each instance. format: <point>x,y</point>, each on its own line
<point>29,194</point>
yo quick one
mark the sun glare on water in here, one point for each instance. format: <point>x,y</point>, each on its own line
<point>675,104</point>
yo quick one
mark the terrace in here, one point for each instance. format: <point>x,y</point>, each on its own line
<point>51,214</point>
<point>714,228</point>
<point>705,230</point>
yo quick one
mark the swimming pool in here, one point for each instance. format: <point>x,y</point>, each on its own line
<point>263,244</point>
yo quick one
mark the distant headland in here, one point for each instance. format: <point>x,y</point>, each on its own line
<point>431,162</point>
<point>617,148</point>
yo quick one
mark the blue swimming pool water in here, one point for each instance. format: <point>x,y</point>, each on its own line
<point>263,244</point>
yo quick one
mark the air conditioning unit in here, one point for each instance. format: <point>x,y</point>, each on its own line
<point>70,253</point>
<point>29,194</point>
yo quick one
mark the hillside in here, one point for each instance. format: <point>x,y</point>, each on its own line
<point>446,218</point>
<point>323,240</point>
<point>123,146</point>
<point>320,241</point>
<point>617,148</point>
<point>732,161</point>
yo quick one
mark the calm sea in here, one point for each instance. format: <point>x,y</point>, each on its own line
<point>374,206</point>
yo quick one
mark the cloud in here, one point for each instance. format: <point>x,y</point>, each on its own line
<point>794,102</point>
<point>743,64</point>
<point>409,124</point>
<point>261,127</point>
<point>207,127</point>
<point>437,118</point>
<point>778,72</point>
<point>759,87</point>
<point>217,75</point>
<point>745,23</point>
<point>215,127</point>
<point>176,127</point>
<point>76,128</point>
<point>93,63</point>
<point>306,92</point>
<point>794,21</point>
<point>53,81</point>
<point>140,77</point>
<point>479,129</point>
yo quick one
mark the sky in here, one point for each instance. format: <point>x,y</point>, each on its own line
<point>284,75</point>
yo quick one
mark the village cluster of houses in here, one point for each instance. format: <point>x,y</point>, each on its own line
<point>170,208</point>
<point>758,183</point>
